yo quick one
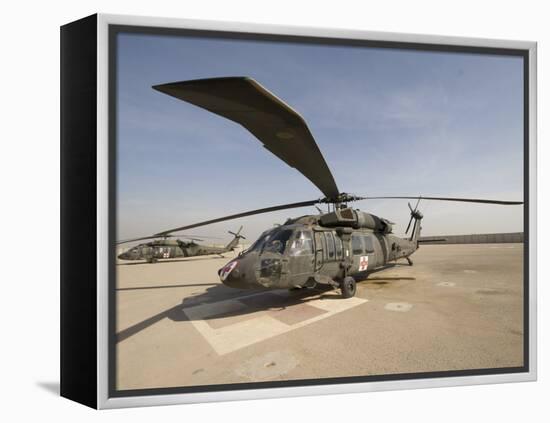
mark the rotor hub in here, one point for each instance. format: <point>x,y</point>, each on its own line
<point>341,199</point>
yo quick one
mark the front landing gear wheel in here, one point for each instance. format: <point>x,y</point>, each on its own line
<point>348,287</point>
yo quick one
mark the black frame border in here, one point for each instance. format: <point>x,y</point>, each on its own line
<point>78,211</point>
<point>115,29</point>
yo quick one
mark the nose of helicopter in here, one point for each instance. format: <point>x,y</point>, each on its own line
<point>238,274</point>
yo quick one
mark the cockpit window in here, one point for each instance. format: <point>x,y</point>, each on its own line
<point>258,244</point>
<point>276,242</point>
<point>302,244</point>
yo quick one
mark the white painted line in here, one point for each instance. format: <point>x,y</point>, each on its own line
<point>239,335</point>
<point>337,305</point>
<point>204,311</point>
<point>262,326</point>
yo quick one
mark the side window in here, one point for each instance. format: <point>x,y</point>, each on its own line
<point>308,242</point>
<point>369,246</point>
<point>357,245</point>
<point>324,242</point>
<point>330,245</point>
<point>302,244</point>
<point>338,243</point>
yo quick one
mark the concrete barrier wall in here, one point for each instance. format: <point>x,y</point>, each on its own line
<point>503,238</point>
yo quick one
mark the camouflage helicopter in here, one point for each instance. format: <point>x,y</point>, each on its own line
<point>334,248</point>
<point>165,248</point>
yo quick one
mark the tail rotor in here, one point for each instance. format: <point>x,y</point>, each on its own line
<point>416,216</point>
<point>235,241</point>
<point>238,234</point>
<point>411,219</point>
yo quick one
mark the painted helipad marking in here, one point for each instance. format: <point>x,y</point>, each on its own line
<point>261,325</point>
<point>449,284</point>
<point>470,271</point>
<point>398,306</point>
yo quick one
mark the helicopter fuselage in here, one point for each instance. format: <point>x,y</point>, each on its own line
<point>318,250</point>
<point>169,249</point>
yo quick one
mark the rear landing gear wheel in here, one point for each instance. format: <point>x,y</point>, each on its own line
<point>348,287</point>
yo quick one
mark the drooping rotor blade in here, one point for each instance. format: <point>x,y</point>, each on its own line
<point>238,215</point>
<point>280,128</point>
<point>465,200</point>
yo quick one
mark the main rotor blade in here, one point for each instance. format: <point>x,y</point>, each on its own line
<point>238,215</point>
<point>280,128</point>
<point>125,241</point>
<point>193,236</point>
<point>464,200</point>
<point>184,236</point>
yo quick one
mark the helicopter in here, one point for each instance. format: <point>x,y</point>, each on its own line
<point>165,248</point>
<point>335,248</point>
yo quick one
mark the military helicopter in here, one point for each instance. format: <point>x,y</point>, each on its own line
<point>165,248</point>
<point>334,248</point>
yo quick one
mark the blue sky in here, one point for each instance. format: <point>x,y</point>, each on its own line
<point>388,122</point>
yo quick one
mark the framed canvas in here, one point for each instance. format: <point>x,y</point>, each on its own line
<point>254,211</point>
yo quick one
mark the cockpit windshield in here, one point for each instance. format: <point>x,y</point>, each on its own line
<point>274,241</point>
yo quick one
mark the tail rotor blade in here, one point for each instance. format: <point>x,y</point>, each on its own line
<point>417,203</point>
<point>238,234</point>
<point>409,225</point>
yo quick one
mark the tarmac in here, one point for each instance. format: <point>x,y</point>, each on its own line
<point>459,307</point>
